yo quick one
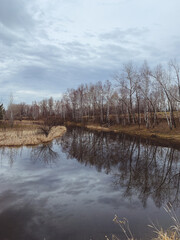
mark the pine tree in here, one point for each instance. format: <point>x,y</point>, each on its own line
<point>1,111</point>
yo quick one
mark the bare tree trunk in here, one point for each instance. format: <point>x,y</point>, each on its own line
<point>168,120</point>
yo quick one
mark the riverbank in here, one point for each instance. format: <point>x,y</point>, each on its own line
<point>28,136</point>
<point>160,134</point>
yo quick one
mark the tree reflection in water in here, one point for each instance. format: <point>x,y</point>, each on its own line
<point>10,153</point>
<point>137,167</point>
<point>44,153</point>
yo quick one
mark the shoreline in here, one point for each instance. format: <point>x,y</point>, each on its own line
<point>31,137</point>
<point>167,138</point>
<point>28,137</point>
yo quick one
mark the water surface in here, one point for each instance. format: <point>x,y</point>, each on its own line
<point>73,187</point>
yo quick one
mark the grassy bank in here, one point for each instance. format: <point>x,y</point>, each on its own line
<point>161,133</point>
<point>27,133</point>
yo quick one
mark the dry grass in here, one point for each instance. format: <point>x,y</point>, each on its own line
<point>26,133</point>
<point>173,233</point>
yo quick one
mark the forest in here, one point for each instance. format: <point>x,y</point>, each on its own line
<point>135,96</point>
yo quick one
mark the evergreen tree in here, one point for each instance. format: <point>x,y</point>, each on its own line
<point>1,111</point>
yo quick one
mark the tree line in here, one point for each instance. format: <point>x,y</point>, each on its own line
<point>136,95</point>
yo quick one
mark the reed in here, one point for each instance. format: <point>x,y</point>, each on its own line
<point>172,233</point>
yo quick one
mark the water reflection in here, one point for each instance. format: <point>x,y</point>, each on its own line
<point>60,191</point>
<point>10,154</point>
<point>44,153</point>
<point>137,167</point>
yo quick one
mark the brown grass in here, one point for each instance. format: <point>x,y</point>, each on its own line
<point>26,133</point>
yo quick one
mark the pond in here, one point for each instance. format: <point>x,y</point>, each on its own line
<point>73,187</point>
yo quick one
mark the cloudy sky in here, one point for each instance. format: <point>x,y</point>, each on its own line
<point>47,46</point>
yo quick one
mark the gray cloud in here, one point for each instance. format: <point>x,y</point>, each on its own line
<point>8,37</point>
<point>114,54</point>
<point>59,79</point>
<point>124,35</point>
<point>47,46</point>
<point>14,13</point>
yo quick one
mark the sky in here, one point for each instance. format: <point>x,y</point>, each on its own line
<point>48,46</point>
